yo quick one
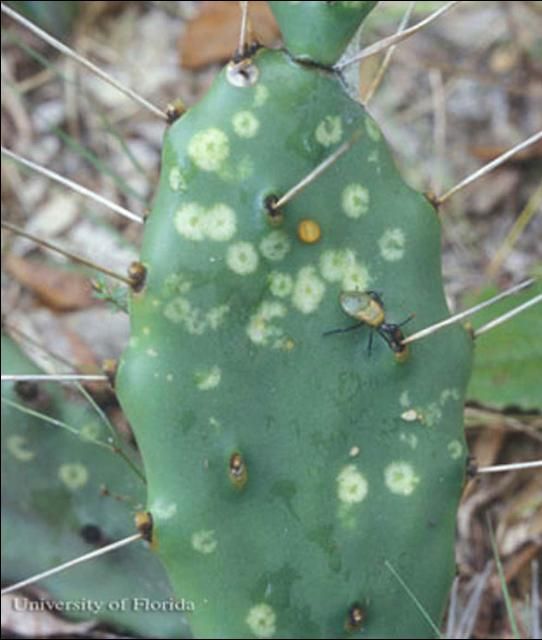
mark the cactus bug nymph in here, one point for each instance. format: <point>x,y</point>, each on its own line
<point>368,308</point>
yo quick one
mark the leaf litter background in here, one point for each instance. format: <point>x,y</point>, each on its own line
<point>454,97</point>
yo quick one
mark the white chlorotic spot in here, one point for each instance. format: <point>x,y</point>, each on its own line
<point>237,172</point>
<point>73,475</point>
<point>17,446</point>
<point>354,451</point>
<point>329,131</point>
<point>455,449</point>
<point>275,246</point>
<point>356,278</point>
<point>261,329</point>
<point>188,221</point>
<point>373,158</point>
<point>177,181</point>
<point>372,129</point>
<point>431,414</point>
<point>262,620</point>
<point>334,263</point>
<point>195,320</point>
<point>169,377</point>
<point>163,509</point>
<point>448,394</point>
<point>410,439</point>
<point>261,94</point>
<point>215,317</point>
<point>146,331</point>
<point>352,4</point>
<point>242,258</point>
<point>280,284</point>
<point>204,541</point>
<point>392,245</point>
<point>176,284</point>
<point>410,415</point>
<point>352,487</point>
<point>355,200</point>
<point>400,478</point>
<point>152,353</point>
<point>90,431</point>
<point>209,149</point>
<point>404,399</point>
<point>308,291</point>
<point>245,124</point>
<point>207,379</point>
<point>177,310</point>
<point>219,223</point>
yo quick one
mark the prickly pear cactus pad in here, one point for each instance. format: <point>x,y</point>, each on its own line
<point>290,473</point>
<point>53,510</point>
<point>332,25</point>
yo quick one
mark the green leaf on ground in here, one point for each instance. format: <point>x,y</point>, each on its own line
<point>507,362</point>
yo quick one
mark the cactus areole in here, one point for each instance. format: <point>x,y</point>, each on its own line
<point>296,483</point>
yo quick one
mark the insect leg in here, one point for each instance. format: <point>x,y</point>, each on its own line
<point>333,331</point>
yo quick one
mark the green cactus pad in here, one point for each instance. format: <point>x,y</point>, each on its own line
<point>319,31</point>
<point>53,510</point>
<point>352,463</point>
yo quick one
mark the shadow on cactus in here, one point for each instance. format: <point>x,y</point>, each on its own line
<point>296,484</point>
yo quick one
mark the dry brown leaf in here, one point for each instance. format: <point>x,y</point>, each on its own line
<point>213,35</point>
<point>58,289</point>
<point>489,152</point>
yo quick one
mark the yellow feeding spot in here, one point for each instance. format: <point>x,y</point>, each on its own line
<point>392,245</point>
<point>242,258</point>
<point>455,449</point>
<point>329,131</point>
<point>177,181</point>
<point>275,246</point>
<point>204,541</point>
<point>308,231</point>
<point>355,200</point>
<point>207,379</point>
<point>280,284</point>
<point>245,124</point>
<point>209,149</point>
<point>372,129</point>
<point>17,446</point>
<point>73,475</point>
<point>308,290</point>
<point>352,487</point>
<point>262,620</point>
<point>401,478</point>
